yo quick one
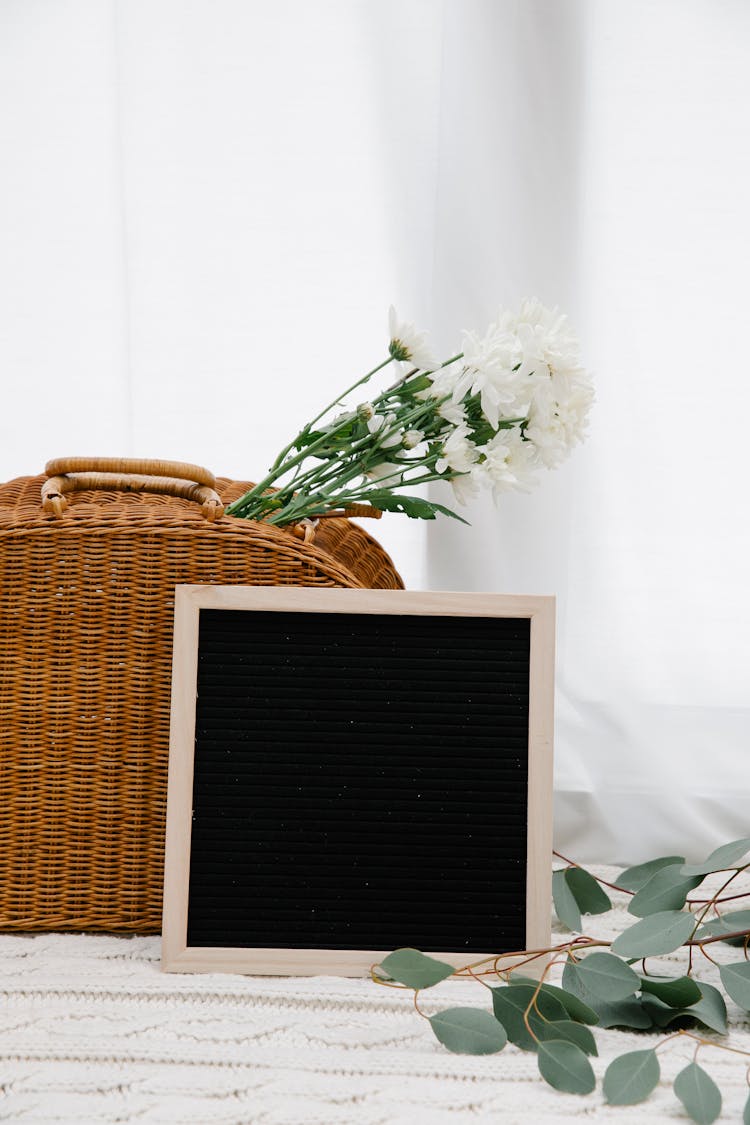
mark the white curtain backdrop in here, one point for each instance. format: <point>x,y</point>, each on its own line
<point>206,208</point>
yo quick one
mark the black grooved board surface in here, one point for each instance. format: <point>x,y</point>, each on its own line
<point>360,782</point>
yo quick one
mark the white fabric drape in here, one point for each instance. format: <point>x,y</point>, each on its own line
<point>206,208</point>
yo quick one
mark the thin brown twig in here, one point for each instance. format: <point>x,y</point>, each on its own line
<point>496,957</point>
<point>726,898</point>
<point>719,937</point>
<point>478,977</point>
<point>711,902</point>
<point>533,1001</point>
<point>612,886</point>
<point>416,1005</point>
<point>707,955</point>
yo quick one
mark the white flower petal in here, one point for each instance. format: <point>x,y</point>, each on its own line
<point>407,344</point>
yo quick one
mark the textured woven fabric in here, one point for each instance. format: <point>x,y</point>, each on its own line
<point>92,1031</point>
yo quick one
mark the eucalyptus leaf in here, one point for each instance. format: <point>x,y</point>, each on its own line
<point>588,893</point>
<point>509,1004</point>
<point>736,981</point>
<point>569,1030</point>
<point>659,933</point>
<point>607,976</point>
<point>698,1093</point>
<point>664,1016</point>
<point>728,855</point>
<point>667,889</point>
<point>728,924</point>
<point>572,1004</point>
<point>565,1067</point>
<point>469,1031</point>
<point>631,1078</point>
<point>628,1013</point>
<point>415,969</point>
<point>711,1009</point>
<point>677,992</point>
<point>633,878</point>
<point>566,907</point>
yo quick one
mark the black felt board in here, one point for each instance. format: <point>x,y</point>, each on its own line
<point>360,782</point>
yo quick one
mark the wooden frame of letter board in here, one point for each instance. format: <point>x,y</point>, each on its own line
<point>177,956</point>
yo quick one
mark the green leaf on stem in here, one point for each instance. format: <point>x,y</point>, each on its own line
<point>565,1067</point>
<point>509,1004</point>
<point>307,437</point>
<point>572,1004</point>
<point>664,1016</point>
<point>566,907</point>
<point>411,386</point>
<point>711,1009</point>
<point>588,893</point>
<point>698,1093</point>
<point>469,1031</point>
<point>676,992</point>
<point>667,889</point>
<point>727,924</point>
<point>415,507</point>
<point>728,855</point>
<point>659,933</point>
<point>414,969</point>
<point>736,980</point>
<point>570,1031</point>
<point>628,1013</point>
<point>607,977</point>
<point>633,878</point>
<point>631,1078</point>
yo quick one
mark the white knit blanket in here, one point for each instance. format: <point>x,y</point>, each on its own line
<point>92,1031</point>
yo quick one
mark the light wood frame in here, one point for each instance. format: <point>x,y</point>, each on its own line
<point>177,956</point>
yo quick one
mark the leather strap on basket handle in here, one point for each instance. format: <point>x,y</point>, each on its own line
<point>123,474</point>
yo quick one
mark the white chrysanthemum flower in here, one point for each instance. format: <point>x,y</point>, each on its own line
<point>408,344</point>
<point>452,412</point>
<point>380,424</point>
<point>366,411</point>
<point>383,470</point>
<point>466,487</point>
<point>458,452</point>
<point>548,344</point>
<point>510,463</point>
<point>558,419</point>
<point>339,420</point>
<point>489,370</point>
<point>412,438</point>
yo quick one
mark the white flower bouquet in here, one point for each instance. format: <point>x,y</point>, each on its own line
<point>509,403</point>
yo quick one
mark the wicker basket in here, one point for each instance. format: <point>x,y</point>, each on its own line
<point>86,610</point>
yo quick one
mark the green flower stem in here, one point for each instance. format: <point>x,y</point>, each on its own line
<point>348,391</point>
<point>390,391</point>
<point>292,500</point>
<point>336,402</point>
<point>331,472</point>
<point>258,489</point>
<point>310,507</point>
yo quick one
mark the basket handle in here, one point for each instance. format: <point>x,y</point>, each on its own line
<point>126,474</point>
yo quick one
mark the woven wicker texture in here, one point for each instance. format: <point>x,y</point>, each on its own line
<point>86,615</point>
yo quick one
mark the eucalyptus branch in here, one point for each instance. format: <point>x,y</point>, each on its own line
<point>599,980</point>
